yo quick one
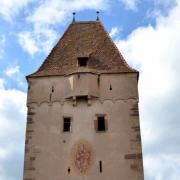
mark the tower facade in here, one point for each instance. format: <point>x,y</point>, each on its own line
<point>83,117</point>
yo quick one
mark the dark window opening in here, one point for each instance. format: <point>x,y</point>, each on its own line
<point>69,170</point>
<point>52,89</point>
<point>110,88</point>
<point>82,61</point>
<point>100,166</point>
<point>67,124</point>
<point>98,80</point>
<point>101,124</point>
<point>81,98</point>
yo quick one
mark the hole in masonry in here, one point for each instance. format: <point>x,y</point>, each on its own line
<point>67,124</point>
<point>98,80</point>
<point>69,170</point>
<point>82,98</point>
<point>101,123</point>
<point>82,61</point>
<point>110,88</point>
<point>100,166</point>
<point>52,89</point>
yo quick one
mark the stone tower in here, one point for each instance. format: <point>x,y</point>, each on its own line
<point>83,117</point>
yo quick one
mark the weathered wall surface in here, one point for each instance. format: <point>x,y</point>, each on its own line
<point>54,154</point>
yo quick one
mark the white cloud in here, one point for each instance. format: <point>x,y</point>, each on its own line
<point>39,40</point>
<point>130,4</point>
<point>12,133</point>
<point>164,3</point>
<point>155,52</point>
<point>13,72</point>
<point>53,12</point>
<point>3,153</point>
<point>114,32</point>
<point>45,19</point>
<point>27,42</point>
<point>10,8</point>
<point>163,166</point>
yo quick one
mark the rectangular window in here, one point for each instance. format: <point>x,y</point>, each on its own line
<point>67,124</point>
<point>82,61</point>
<point>100,124</point>
<point>81,98</point>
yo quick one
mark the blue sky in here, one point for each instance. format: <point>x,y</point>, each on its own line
<point>147,34</point>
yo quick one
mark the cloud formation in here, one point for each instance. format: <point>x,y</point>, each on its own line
<point>14,73</point>
<point>53,12</point>
<point>155,52</point>
<point>130,4</point>
<point>114,32</point>
<point>10,8</point>
<point>27,42</point>
<point>45,18</point>
<point>12,132</point>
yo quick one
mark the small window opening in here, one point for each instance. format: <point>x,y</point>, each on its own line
<point>81,98</point>
<point>69,170</point>
<point>82,61</point>
<point>110,88</point>
<point>101,124</point>
<point>67,124</point>
<point>98,80</point>
<point>100,166</point>
<point>52,89</point>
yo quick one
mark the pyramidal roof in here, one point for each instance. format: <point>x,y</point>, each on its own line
<point>84,39</point>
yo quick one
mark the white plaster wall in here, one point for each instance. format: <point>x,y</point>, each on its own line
<point>124,86</point>
<point>54,146</point>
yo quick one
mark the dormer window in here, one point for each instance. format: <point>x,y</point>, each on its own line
<point>82,61</point>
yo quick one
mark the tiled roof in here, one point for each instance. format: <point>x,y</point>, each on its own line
<point>84,39</point>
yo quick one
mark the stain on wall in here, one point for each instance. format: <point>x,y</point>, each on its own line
<point>82,156</point>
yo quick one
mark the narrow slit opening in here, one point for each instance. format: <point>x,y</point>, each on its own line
<point>110,88</point>
<point>69,170</point>
<point>52,89</point>
<point>67,124</point>
<point>100,166</point>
